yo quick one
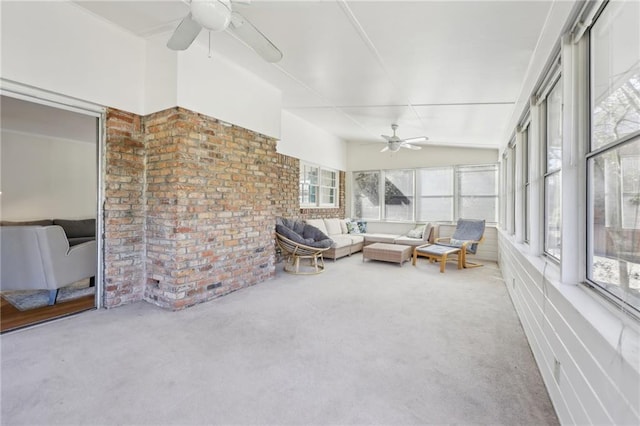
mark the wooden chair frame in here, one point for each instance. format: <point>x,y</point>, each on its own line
<point>296,251</point>
<point>438,257</point>
<point>463,250</point>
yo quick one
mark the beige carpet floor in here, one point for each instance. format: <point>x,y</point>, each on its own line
<point>362,343</point>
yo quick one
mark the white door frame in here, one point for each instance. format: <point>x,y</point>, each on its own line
<point>55,100</point>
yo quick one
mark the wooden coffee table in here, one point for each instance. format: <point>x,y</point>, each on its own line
<point>396,253</point>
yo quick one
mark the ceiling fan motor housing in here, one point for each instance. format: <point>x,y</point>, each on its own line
<point>214,15</point>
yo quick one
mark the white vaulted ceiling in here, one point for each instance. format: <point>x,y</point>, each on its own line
<point>450,70</point>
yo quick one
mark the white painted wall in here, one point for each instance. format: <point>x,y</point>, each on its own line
<point>597,381</point>
<point>218,88</point>
<point>47,178</point>
<point>303,140</point>
<point>62,48</point>
<point>59,47</point>
<point>368,157</point>
<point>161,76</point>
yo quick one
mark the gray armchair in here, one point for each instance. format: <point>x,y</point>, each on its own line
<point>468,234</point>
<point>39,258</point>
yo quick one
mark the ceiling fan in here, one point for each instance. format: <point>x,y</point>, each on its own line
<point>216,16</point>
<point>394,143</point>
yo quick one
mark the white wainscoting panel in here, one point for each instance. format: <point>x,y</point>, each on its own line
<point>587,353</point>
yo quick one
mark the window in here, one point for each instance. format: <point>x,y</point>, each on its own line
<point>328,187</point>
<point>366,195</point>
<point>318,186</point>
<point>477,189</point>
<point>503,190</point>
<point>398,195</point>
<point>526,178</point>
<point>553,175</point>
<point>443,194</point>
<point>435,194</point>
<point>512,189</point>
<point>509,186</point>
<point>613,162</point>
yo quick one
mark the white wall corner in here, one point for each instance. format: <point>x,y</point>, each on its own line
<point>160,75</point>
<point>214,86</point>
<point>309,143</point>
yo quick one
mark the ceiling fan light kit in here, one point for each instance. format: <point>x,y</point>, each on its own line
<point>394,143</point>
<point>217,16</point>
<point>212,15</point>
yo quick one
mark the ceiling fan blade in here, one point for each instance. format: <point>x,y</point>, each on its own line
<point>386,148</point>
<point>387,138</point>
<point>252,37</point>
<point>406,145</point>
<point>185,33</point>
<point>417,139</point>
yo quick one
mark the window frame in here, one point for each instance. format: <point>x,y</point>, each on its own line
<point>352,194</point>
<point>610,291</point>
<point>459,196</point>
<point>554,83</point>
<point>526,179</point>
<point>416,196</point>
<point>412,197</point>
<point>420,197</point>
<point>319,186</point>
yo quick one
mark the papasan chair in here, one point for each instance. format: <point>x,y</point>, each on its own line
<point>298,240</point>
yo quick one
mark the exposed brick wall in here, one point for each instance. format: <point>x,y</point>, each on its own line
<point>210,215</point>
<point>190,207</point>
<point>286,194</point>
<point>124,215</point>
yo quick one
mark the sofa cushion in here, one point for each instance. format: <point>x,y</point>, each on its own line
<point>313,233</point>
<point>79,240</point>
<point>43,222</point>
<point>381,238</point>
<point>77,228</point>
<point>308,239</point>
<point>340,241</point>
<point>318,223</point>
<point>356,239</point>
<point>297,225</point>
<point>428,230</point>
<point>333,226</point>
<point>343,226</point>
<point>408,241</point>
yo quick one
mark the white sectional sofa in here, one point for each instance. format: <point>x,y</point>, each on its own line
<point>418,238</point>
<point>345,244</point>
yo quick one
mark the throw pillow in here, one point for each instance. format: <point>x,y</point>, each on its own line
<point>353,228</point>
<point>363,227</point>
<point>417,232</point>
